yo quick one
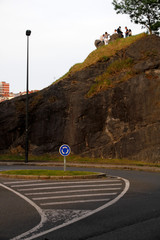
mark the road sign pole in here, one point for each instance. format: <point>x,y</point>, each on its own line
<point>64,150</point>
<point>64,163</point>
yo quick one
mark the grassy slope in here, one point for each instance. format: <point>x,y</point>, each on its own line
<point>104,53</point>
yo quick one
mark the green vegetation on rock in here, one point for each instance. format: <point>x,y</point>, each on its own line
<point>118,71</point>
<point>104,53</point>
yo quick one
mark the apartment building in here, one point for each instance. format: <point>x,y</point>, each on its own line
<point>6,95</point>
<point>4,89</point>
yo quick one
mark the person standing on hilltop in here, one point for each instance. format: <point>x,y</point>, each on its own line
<point>102,38</point>
<point>106,36</point>
<point>115,31</point>
<point>119,31</point>
<point>126,32</point>
<point>130,32</point>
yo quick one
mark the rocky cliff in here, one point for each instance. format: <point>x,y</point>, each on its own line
<point>110,109</point>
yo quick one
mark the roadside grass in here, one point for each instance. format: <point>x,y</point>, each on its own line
<point>41,172</point>
<point>74,159</point>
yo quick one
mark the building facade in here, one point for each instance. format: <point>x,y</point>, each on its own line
<point>4,89</point>
<point>6,95</point>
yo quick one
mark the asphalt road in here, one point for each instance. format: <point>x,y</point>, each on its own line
<point>136,215</point>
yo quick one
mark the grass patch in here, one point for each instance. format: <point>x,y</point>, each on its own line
<point>74,159</point>
<point>11,157</point>
<point>20,157</point>
<point>118,71</point>
<point>48,173</point>
<point>119,66</point>
<point>123,161</point>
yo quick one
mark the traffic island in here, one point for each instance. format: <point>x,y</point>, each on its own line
<point>50,174</point>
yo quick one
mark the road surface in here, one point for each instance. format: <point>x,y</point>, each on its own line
<point>114,208</point>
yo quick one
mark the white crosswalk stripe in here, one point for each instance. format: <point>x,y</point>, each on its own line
<point>61,183</point>
<point>75,196</point>
<point>72,191</point>
<point>21,181</point>
<point>71,202</point>
<point>78,192</point>
<point>61,187</point>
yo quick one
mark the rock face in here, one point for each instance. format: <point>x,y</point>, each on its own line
<point>122,121</point>
<point>114,36</point>
<point>98,43</point>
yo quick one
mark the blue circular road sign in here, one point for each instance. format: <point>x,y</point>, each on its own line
<point>64,150</point>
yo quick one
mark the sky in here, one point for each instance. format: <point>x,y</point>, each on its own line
<point>62,34</point>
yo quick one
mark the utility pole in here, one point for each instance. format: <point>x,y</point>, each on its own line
<point>28,33</point>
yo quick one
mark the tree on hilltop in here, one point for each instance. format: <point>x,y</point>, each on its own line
<point>144,12</point>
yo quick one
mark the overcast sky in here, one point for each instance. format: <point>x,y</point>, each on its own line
<point>63,34</point>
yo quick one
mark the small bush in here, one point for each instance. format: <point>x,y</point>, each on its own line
<point>17,150</point>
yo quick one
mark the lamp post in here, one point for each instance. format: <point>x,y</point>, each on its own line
<point>28,33</point>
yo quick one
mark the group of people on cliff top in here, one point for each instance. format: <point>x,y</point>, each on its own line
<point>128,33</point>
<point>105,37</point>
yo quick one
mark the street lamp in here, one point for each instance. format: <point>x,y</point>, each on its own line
<point>28,33</point>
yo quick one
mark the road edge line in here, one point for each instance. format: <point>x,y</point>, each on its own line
<point>39,210</point>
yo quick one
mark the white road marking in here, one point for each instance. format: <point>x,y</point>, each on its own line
<point>73,191</point>
<point>79,201</point>
<point>127,184</point>
<point>60,183</point>
<point>39,210</point>
<point>43,216</point>
<point>77,186</point>
<point>26,181</point>
<point>74,196</point>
